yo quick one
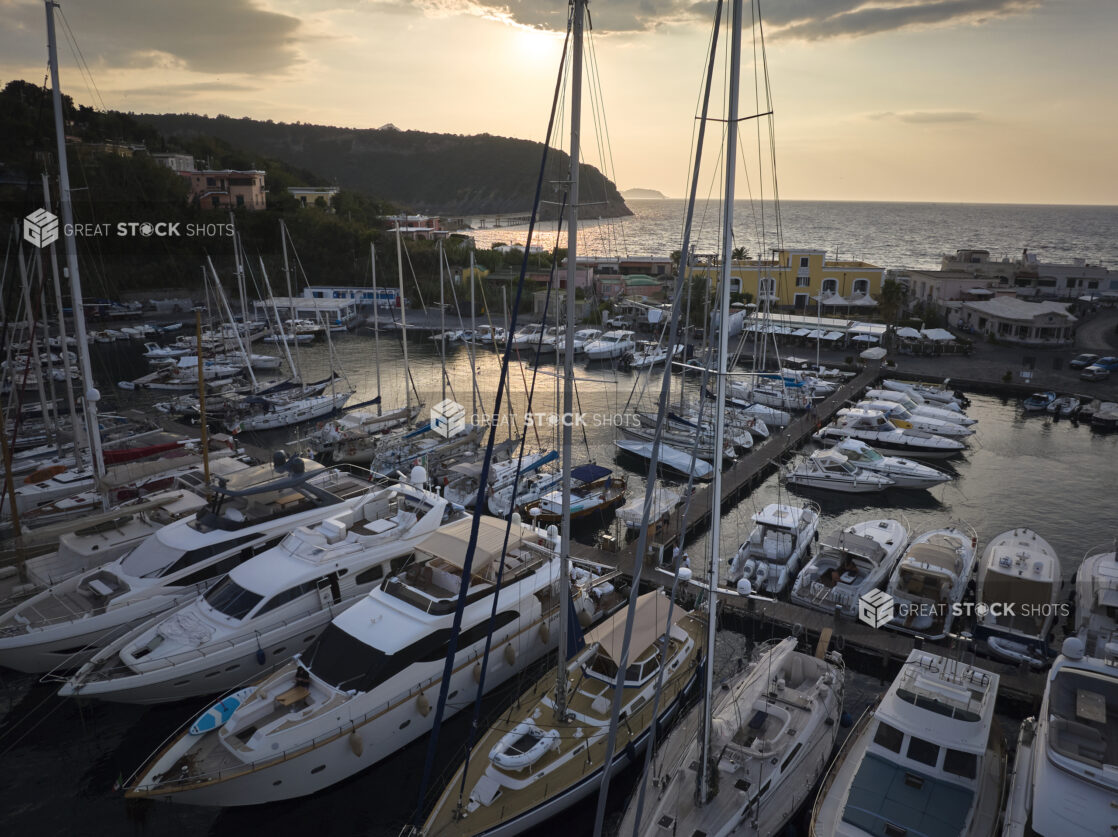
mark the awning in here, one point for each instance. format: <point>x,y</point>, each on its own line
<point>938,334</point>
<point>589,473</point>
<point>875,353</point>
<point>649,623</point>
<point>834,299</point>
<point>450,542</point>
<point>803,332</point>
<point>908,333</point>
<point>865,301</point>
<point>833,335</point>
<point>864,338</point>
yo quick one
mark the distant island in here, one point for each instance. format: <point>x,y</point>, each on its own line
<point>643,195</point>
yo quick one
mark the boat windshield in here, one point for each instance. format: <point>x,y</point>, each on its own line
<point>230,598</point>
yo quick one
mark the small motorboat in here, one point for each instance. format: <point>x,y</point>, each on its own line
<point>831,471</point>
<point>929,581</point>
<point>905,473</point>
<point>771,555</point>
<point>1038,402</point>
<point>1064,406</point>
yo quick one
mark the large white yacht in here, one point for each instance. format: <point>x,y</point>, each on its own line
<point>773,727</point>
<point>929,579</point>
<point>610,346</point>
<point>63,626</point>
<point>829,470</point>
<point>1019,569</point>
<point>928,760</point>
<point>850,563</point>
<point>872,426</point>
<point>901,417</point>
<point>915,404</point>
<point>770,557</point>
<point>267,609</point>
<point>369,685</point>
<point>905,473</point>
<point>1096,599</point>
<point>1065,780</point>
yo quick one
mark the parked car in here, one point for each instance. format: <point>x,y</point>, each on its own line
<point>1108,363</point>
<point>1083,361</point>
<point>1095,372</point>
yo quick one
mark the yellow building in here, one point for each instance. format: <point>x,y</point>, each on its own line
<point>801,280</point>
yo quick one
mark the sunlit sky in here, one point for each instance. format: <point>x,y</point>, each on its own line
<point>998,101</point>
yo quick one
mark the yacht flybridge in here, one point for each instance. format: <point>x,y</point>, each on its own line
<point>369,684</point>
<point>268,608</point>
<point>251,510</point>
<point>929,759</point>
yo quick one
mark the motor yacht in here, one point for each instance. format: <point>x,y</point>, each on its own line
<point>369,684</point>
<point>829,470</point>
<point>610,346</point>
<point>63,626</point>
<point>937,394</point>
<point>268,608</point>
<point>872,426</point>
<point>920,407</point>
<point>901,417</point>
<point>773,727</point>
<point>930,579</point>
<point>849,564</point>
<point>1096,599</point>
<point>928,759</point>
<point>1020,569</point>
<point>1038,402</point>
<point>905,473</point>
<point>1065,779</point>
<point>771,556</point>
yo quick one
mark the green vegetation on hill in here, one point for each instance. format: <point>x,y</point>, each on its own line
<point>445,174</point>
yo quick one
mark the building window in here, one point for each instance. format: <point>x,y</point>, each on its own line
<point>830,286</point>
<point>861,287</point>
<point>240,200</point>
<point>215,201</point>
<point>803,281</point>
<point>803,261</point>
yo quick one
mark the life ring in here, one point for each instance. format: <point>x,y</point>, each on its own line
<point>521,759</point>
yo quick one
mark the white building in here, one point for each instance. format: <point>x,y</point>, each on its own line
<point>1027,275</point>
<point>1013,320</point>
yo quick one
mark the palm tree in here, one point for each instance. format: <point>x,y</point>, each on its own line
<point>891,300</point>
<point>739,254</point>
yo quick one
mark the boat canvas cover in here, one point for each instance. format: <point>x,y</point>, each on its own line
<point>589,473</point>
<point>450,542</point>
<point>737,707</point>
<point>883,792</point>
<point>859,545</point>
<point>649,624</point>
<point>780,515</point>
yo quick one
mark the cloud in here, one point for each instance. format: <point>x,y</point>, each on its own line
<point>188,89</point>
<point>204,36</point>
<point>801,19</point>
<point>929,116</point>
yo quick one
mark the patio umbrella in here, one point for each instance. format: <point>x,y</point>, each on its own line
<point>864,338</point>
<point>874,353</point>
<point>908,332</point>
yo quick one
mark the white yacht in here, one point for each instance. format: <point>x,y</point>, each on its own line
<point>930,579</point>
<point>915,404</point>
<point>1018,568</point>
<point>773,727</point>
<point>771,555</point>
<point>527,337</point>
<point>462,485</point>
<point>935,394</point>
<point>610,346</point>
<point>929,759</point>
<point>1096,599</point>
<point>831,471</point>
<point>901,417</point>
<point>266,609</point>
<point>648,355</point>
<point>872,426</point>
<point>581,338</point>
<point>905,473</point>
<point>63,626</point>
<point>1065,779</point>
<point>777,394</point>
<point>850,563</point>
<point>369,685</point>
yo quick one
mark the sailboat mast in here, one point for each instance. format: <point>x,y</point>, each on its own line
<point>290,305</point>
<point>720,388</point>
<point>403,318</point>
<point>569,357</point>
<point>238,258</point>
<point>376,324</point>
<point>90,395</point>
<point>442,314</point>
<point>470,345</point>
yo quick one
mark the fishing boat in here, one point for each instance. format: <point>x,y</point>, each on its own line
<point>1065,779</point>
<point>366,687</point>
<point>905,473</point>
<point>268,608</point>
<point>63,626</point>
<point>771,556</point>
<point>829,470</point>
<point>930,579</point>
<point>928,759</point>
<point>872,426</point>
<point>1019,583</point>
<point>1096,599</point>
<point>849,564</point>
<point>773,727</point>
